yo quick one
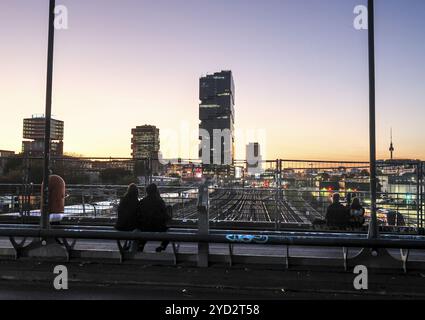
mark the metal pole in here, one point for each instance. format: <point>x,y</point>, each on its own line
<point>203,224</point>
<point>276,200</point>
<point>422,193</point>
<point>418,194</point>
<point>420,200</point>
<point>44,221</point>
<point>373,225</point>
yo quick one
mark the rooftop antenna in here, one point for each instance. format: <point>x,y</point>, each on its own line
<point>391,145</point>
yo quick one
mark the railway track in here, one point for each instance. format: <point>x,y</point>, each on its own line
<point>246,205</point>
<point>288,213</point>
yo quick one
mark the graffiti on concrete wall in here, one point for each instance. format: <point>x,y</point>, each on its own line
<point>247,238</point>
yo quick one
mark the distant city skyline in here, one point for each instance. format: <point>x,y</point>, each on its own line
<point>300,72</point>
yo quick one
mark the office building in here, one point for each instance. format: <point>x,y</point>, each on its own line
<point>145,142</point>
<point>217,117</point>
<point>6,153</point>
<point>33,134</point>
<point>145,145</point>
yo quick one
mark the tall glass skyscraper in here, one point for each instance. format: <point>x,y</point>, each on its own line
<point>217,116</point>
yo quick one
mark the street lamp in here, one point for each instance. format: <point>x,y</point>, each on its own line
<point>44,217</point>
<point>373,225</point>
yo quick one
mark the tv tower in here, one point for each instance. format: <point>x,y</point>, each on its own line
<point>391,145</point>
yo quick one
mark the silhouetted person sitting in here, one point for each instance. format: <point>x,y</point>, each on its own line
<point>337,215</point>
<point>153,215</point>
<point>395,218</point>
<point>128,214</point>
<point>357,213</point>
<point>128,210</point>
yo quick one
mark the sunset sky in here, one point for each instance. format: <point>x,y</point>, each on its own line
<point>300,71</point>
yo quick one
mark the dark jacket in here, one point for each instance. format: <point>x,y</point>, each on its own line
<point>153,214</point>
<point>337,215</point>
<point>395,218</point>
<point>128,213</point>
<point>357,218</point>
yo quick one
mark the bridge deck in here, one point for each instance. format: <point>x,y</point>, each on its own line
<point>256,254</point>
<point>249,271</point>
<point>29,280</point>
